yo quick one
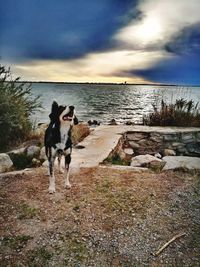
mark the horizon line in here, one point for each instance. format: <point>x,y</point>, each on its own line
<point>111,83</point>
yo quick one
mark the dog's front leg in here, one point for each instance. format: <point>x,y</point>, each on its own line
<point>52,188</point>
<point>66,179</point>
<point>59,164</point>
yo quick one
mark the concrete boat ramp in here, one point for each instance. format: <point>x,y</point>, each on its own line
<point>103,139</point>
<point>98,145</point>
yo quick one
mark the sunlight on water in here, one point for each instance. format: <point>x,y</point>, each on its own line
<point>105,102</point>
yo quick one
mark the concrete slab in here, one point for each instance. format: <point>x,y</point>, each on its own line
<point>97,146</point>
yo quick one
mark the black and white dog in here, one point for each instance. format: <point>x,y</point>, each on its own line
<point>58,140</point>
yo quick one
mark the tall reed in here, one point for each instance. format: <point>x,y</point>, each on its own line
<point>181,113</point>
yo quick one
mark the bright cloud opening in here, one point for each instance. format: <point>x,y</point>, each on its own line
<point>149,30</point>
<point>143,32</point>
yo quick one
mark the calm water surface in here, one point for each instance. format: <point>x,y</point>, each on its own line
<point>105,102</point>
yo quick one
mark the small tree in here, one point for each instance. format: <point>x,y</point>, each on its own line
<point>16,105</point>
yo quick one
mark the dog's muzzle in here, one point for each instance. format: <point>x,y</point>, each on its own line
<point>69,116</point>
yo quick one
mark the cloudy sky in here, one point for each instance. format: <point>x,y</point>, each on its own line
<point>138,41</point>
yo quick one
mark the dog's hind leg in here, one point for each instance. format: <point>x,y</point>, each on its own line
<point>66,179</point>
<point>51,159</point>
<point>59,164</point>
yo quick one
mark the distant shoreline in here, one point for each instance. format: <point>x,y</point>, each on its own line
<point>101,83</point>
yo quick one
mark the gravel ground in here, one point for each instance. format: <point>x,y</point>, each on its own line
<point>108,218</point>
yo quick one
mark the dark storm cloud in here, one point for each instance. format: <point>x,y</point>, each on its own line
<point>188,41</point>
<point>183,66</point>
<point>62,29</point>
<point>178,70</point>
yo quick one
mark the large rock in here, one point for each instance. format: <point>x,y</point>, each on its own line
<point>33,150</point>
<point>193,149</point>
<point>187,138</point>
<point>134,144</point>
<point>113,122</point>
<point>45,163</point>
<point>17,151</point>
<point>93,122</point>
<point>5,162</point>
<point>135,136</point>
<point>146,146</point>
<point>171,137</point>
<point>128,151</point>
<point>143,160</point>
<point>42,154</point>
<point>156,166</point>
<point>156,137</point>
<point>149,150</point>
<point>175,162</point>
<point>169,152</point>
<point>126,154</point>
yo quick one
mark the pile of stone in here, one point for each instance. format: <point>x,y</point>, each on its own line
<point>161,151</point>
<point>167,144</point>
<point>5,163</point>
<point>34,152</point>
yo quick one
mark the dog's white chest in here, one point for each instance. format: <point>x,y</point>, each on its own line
<point>64,130</point>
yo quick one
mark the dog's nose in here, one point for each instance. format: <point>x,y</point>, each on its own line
<point>71,107</point>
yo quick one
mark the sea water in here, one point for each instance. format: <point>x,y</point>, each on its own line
<point>103,102</point>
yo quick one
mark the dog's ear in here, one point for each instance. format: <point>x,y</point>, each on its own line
<point>75,120</point>
<point>54,108</point>
<point>54,111</point>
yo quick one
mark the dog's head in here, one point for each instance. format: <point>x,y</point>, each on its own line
<point>63,114</point>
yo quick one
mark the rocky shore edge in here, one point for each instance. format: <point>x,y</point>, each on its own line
<point>156,148</point>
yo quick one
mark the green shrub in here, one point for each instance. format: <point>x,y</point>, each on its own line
<point>181,113</point>
<point>16,105</point>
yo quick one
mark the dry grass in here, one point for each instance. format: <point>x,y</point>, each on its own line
<point>108,218</point>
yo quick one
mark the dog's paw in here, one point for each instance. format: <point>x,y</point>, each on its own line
<point>52,190</point>
<point>68,186</point>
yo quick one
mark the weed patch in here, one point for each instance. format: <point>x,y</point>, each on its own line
<point>104,186</point>
<point>116,160</point>
<point>39,258</point>
<point>27,212</point>
<point>78,249</point>
<point>14,242</point>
